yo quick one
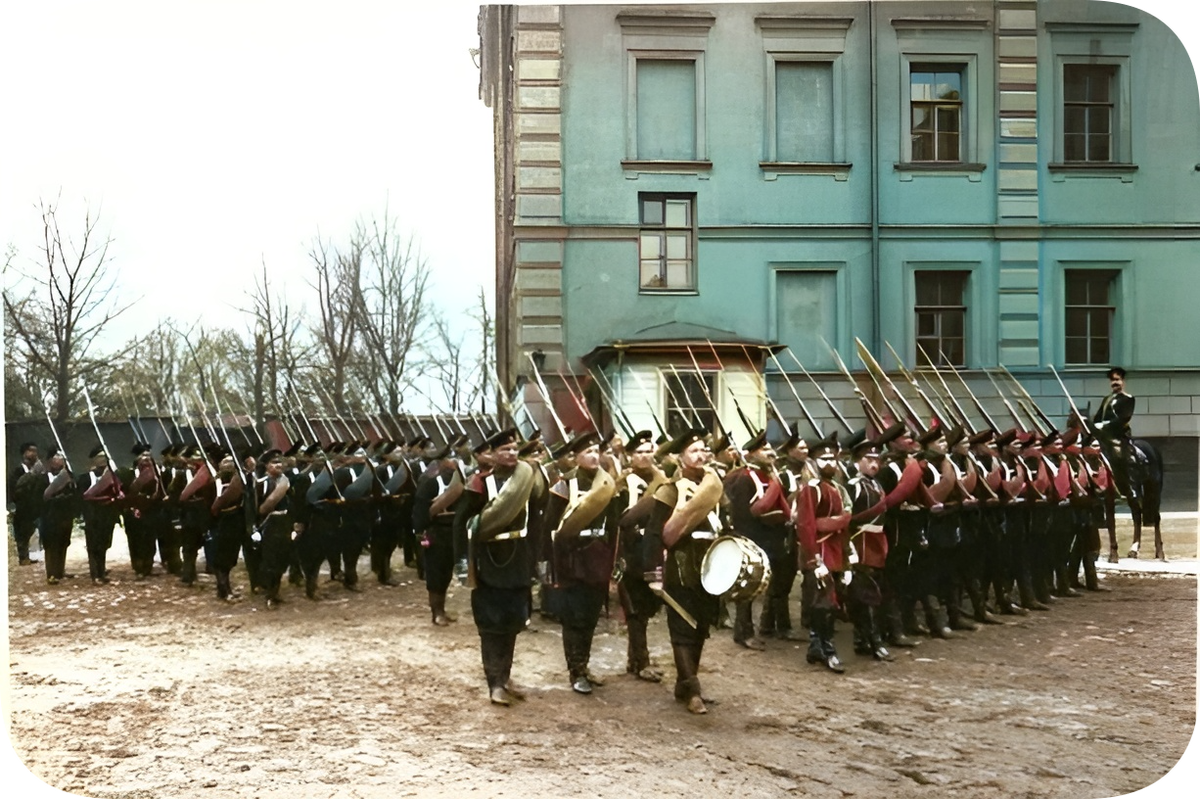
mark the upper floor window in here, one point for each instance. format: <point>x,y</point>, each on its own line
<point>1088,112</point>
<point>666,242</point>
<point>941,314</point>
<point>804,111</point>
<point>666,109</point>
<point>937,113</point>
<point>1089,315</point>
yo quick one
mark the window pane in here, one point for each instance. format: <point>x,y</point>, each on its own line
<point>1098,149</point>
<point>1077,289</point>
<point>922,119</point>
<point>652,212</point>
<point>1076,323</point>
<point>1099,119</point>
<point>952,323</point>
<point>679,274</point>
<point>1098,290</point>
<point>926,324</point>
<point>1074,117</point>
<point>1076,350</point>
<point>1073,147</point>
<point>666,109</point>
<point>947,118</point>
<point>953,285</point>
<point>650,246</point>
<point>947,147</point>
<point>926,289</point>
<point>1099,326</point>
<point>677,213</point>
<point>1100,351</point>
<point>922,86</point>
<point>677,246</point>
<point>949,86</point>
<point>1074,83</point>
<point>954,350</point>
<point>650,277</point>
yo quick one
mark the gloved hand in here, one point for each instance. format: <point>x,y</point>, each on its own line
<point>256,537</point>
<point>821,572</point>
<point>853,556</point>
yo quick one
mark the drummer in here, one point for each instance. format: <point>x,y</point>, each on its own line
<point>684,522</point>
<point>759,510</point>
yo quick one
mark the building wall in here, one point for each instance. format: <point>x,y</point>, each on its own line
<point>862,222</point>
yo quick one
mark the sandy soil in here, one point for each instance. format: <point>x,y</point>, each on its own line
<point>151,689</point>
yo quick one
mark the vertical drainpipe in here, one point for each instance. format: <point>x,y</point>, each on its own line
<point>876,333</point>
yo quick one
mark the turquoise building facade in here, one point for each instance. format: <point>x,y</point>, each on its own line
<point>1013,183</point>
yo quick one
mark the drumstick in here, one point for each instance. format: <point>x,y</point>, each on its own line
<point>691,620</point>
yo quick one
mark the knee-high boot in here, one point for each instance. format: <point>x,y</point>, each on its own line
<point>638,653</point>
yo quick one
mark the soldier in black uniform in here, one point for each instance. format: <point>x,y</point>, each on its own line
<point>229,529</point>
<point>102,496</point>
<point>635,500</point>
<point>682,526</point>
<point>396,486</point>
<point>1116,409</point>
<point>275,528</point>
<point>58,511</point>
<point>25,504</point>
<point>356,477</point>
<point>494,509</point>
<point>433,504</point>
<point>143,513</point>
<point>195,511</point>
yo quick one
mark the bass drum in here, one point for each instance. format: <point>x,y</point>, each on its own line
<point>735,566</point>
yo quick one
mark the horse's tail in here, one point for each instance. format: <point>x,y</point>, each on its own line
<point>1152,485</point>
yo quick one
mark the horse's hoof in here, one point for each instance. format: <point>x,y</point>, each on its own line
<point>1113,557</point>
<point>1132,554</point>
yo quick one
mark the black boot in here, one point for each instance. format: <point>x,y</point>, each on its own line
<point>1091,581</point>
<point>767,620</point>
<point>687,684</point>
<point>878,650</point>
<point>575,653</point>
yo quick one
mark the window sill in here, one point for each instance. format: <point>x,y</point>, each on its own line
<point>633,168</point>
<point>1060,171</point>
<point>971,171</point>
<point>668,292</point>
<point>773,169</point>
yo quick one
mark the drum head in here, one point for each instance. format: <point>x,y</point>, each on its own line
<point>721,567</point>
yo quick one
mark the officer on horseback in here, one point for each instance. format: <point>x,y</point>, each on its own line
<point>1117,408</point>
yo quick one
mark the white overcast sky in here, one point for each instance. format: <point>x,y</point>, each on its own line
<point>214,136</point>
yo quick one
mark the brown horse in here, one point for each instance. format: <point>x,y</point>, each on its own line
<point>1138,475</point>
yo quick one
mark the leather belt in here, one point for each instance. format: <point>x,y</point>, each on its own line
<point>872,528</point>
<point>508,536</point>
<point>593,533</point>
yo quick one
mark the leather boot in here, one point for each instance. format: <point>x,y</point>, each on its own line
<point>937,617</point>
<point>891,627</point>
<point>743,627</point>
<point>310,586</point>
<point>874,638</point>
<point>188,575</point>
<point>576,658</point>
<point>828,652</point>
<point>957,620</point>
<point>437,607</point>
<point>783,620</point>
<point>1091,581</point>
<point>687,684</point>
<point>1063,582</point>
<point>1029,599</point>
<point>767,619</point>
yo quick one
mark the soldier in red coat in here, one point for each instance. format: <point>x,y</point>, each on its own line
<point>822,522</point>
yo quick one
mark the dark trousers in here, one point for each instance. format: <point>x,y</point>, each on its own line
<point>313,547</point>
<point>24,527</point>
<point>97,536</point>
<point>170,537</point>
<point>142,536</point>
<point>384,538</point>
<point>438,554</point>
<point>276,554</point>
<point>56,537</point>
<point>639,604</point>
<point>351,538</point>
<point>191,539</point>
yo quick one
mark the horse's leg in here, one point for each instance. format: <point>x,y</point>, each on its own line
<point>1158,542</point>
<point>1110,519</point>
<point>1135,510</point>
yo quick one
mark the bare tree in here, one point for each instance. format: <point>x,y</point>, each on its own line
<point>487,340</point>
<point>393,315</point>
<point>71,302</point>
<point>339,298</point>
<point>279,349</point>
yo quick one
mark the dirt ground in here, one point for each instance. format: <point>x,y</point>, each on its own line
<point>150,689</point>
